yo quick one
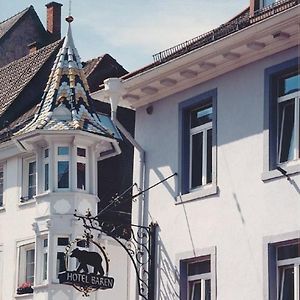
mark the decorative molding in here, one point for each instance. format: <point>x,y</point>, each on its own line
<point>188,73</point>
<point>149,90</point>
<point>231,55</point>
<point>168,82</point>
<point>207,65</point>
<point>256,45</point>
<point>280,35</point>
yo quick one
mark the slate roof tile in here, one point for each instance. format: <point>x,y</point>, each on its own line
<point>7,24</point>
<point>15,76</point>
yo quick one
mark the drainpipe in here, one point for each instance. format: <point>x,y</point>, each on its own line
<point>114,89</point>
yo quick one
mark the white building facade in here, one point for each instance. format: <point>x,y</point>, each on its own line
<point>224,116</point>
<point>48,170</point>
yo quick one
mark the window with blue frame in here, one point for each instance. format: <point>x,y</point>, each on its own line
<point>196,279</point>
<point>284,270</point>
<point>198,140</point>
<point>282,94</point>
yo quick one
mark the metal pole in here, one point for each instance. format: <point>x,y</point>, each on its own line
<point>152,261</point>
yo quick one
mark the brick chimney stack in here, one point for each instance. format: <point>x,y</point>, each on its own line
<point>54,19</point>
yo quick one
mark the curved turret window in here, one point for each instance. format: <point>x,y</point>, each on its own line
<point>63,167</point>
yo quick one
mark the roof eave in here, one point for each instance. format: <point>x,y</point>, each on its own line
<point>136,95</point>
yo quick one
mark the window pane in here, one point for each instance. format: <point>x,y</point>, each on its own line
<point>199,267</point>
<point>45,266</point>
<point>209,157</point>
<point>45,243</point>
<point>269,2</point>
<point>289,85</point>
<point>286,130</point>
<point>81,176</point>
<point>62,241</point>
<point>197,160</point>
<point>81,152</point>
<point>32,167</point>
<point>195,290</point>
<point>29,273</point>
<point>60,262</point>
<point>63,150</point>
<point>31,179</point>
<point>63,174</point>
<point>46,153</point>
<point>290,251</point>
<point>46,183</point>
<point>201,116</point>
<point>286,282</point>
<point>207,289</point>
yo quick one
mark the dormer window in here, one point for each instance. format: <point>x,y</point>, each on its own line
<point>63,167</point>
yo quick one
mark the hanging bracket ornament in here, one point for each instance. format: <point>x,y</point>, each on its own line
<point>140,248</point>
<point>91,272</point>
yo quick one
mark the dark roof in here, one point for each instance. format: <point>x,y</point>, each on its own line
<point>90,65</point>
<point>7,24</point>
<point>100,68</point>
<point>15,76</point>
<point>242,20</point>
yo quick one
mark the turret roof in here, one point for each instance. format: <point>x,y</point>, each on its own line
<point>66,102</point>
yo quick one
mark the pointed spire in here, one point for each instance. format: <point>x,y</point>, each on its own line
<point>66,103</point>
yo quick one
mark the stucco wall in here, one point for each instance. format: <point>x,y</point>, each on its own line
<point>245,209</point>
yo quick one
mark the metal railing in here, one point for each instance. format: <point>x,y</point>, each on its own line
<point>223,30</point>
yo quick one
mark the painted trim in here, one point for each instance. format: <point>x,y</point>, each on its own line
<point>270,120</point>
<point>184,145</point>
<point>183,258</point>
<point>269,261</point>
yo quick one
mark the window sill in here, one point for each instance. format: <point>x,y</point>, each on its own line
<point>205,191</point>
<point>2,209</point>
<point>27,202</point>
<point>272,174</point>
<point>40,286</point>
<point>25,296</point>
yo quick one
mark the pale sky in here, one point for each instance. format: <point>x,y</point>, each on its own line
<point>133,30</point>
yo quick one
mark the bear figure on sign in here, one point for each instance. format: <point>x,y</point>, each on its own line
<point>86,259</point>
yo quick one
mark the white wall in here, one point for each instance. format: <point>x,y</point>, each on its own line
<point>53,215</point>
<point>244,211</point>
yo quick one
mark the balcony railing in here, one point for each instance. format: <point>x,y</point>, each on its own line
<point>224,30</point>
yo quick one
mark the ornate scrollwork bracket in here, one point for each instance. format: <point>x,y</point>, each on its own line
<point>140,247</point>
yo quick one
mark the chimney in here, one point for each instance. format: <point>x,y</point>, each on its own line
<point>54,19</point>
<point>33,47</point>
<point>254,5</point>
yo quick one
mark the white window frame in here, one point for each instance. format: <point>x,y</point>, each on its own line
<point>84,160</point>
<point>46,161</point>
<point>286,263</point>
<point>62,158</point>
<point>45,251</point>
<point>2,166</point>
<point>296,97</point>
<point>188,257</point>
<point>22,249</point>
<point>25,190</point>
<point>58,249</point>
<point>199,277</point>
<point>193,131</point>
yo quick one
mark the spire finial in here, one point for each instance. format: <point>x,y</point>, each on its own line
<point>70,19</point>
